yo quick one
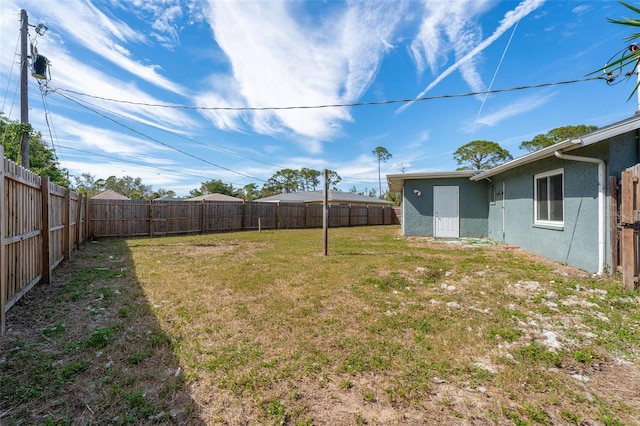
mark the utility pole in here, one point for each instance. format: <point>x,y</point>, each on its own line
<point>24,89</point>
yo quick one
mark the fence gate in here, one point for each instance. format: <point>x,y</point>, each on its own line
<point>625,222</point>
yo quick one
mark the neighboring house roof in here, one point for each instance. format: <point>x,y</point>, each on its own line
<point>215,197</point>
<point>167,198</point>
<point>598,135</point>
<point>396,181</point>
<point>318,197</point>
<point>109,195</point>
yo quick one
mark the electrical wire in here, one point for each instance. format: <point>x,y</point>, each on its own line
<point>156,140</point>
<point>344,105</point>
<point>140,163</point>
<point>6,92</point>
<point>15,92</point>
<point>214,147</point>
<point>614,66</point>
<point>493,79</point>
<point>47,116</point>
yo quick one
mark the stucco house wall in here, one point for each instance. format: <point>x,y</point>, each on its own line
<point>574,243</point>
<point>418,210</point>
<point>512,217</point>
<point>504,208</point>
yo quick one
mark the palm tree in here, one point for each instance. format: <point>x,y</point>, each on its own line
<point>381,154</point>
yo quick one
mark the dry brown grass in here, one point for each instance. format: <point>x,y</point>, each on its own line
<point>259,328</point>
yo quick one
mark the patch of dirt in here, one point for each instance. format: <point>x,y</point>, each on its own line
<point>107,391</point>
<point>86,349</point>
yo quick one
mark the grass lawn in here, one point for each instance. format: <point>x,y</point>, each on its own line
<point>261,328</point>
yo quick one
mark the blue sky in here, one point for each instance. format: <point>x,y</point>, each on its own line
<point>215,54</point>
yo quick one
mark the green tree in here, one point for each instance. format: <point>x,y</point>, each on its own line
<point>310,179</point>
<point>334,179</point>
<point>42,159</point>
<point>554,136</point>
<point>291,180</point>
<point>87,184</point>
<point>250,192</point>
<point>128,186</point>
<point>282,181</point>
<point>382,155</point>
<point>480,155</point>
<point>394,197</point>
<point>214,186</point>
<point>162,193</point>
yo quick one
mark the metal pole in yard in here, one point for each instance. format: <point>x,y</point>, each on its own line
<point>325,210</point>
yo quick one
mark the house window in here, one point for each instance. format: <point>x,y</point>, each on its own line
<point>493,194</point>
<point>549,198</point>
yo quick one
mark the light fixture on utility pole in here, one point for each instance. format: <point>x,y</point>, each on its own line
<point>24,89</point>
<point>39,72</point>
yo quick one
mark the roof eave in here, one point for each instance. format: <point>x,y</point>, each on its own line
<point>528,158</point>
<point>396,181</point>
<point>604,133</point>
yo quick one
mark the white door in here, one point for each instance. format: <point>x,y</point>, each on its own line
<point>445,212</point>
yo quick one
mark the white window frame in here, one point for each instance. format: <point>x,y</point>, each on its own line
<point>536,178</point>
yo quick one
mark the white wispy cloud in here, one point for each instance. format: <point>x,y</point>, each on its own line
<point>106,36</point>
<point>84,136</point>
<point>71,74</point>
<point>511,110</point>
<point>465,61</point>
<point>278,60</point>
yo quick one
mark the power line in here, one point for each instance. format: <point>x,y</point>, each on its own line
<point>493,79</point>
<point>156,140</point>
<point>216,148</point>
<point>6,92</point>
<point>47,115</point>
<point>344,105</point>
<point>129,161</point>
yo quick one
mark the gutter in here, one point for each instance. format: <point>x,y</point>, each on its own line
<point>601,200</point>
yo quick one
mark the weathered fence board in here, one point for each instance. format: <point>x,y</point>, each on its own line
<point>128,218</point>
<point>628,223</point>
<point>40,223</point>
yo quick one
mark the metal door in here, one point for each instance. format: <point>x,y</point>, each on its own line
<point>446,218</point>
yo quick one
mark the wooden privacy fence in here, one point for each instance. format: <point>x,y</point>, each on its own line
<point>130,218</point>
<point>624,212</point>
<point>40,223</point>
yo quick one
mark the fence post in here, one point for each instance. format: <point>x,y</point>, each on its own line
<point>614,220</point>
<point>66,231</point>
<point>628,251</point>
<point>78,219</point>
<point>86,218</point>
<point>46,231</point>
<point>150,218</point>
<point>203,219</point>
<point>3,251</point>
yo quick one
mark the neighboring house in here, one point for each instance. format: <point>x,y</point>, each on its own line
<point>317,197</point>
<point>109,195</point>
<point>552,202</point>
<point>215,197</point>
<point>167,198</point>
